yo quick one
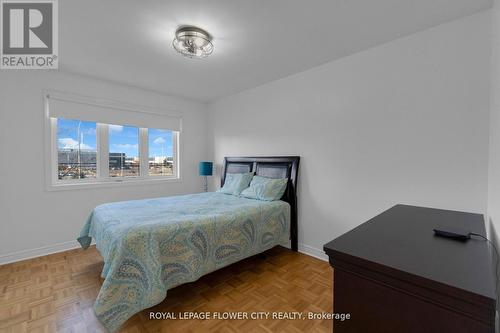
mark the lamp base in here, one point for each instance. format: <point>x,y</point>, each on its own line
<point>205,185</point>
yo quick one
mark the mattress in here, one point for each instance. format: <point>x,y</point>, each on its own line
<point>152,245</point>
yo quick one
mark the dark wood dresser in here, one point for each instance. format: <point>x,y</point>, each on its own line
<point>393,275</point>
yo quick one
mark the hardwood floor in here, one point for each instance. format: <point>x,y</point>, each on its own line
<point>55,293</point>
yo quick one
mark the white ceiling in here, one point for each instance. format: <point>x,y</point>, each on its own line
<point>256,41</point>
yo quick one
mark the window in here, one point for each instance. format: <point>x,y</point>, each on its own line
<point>124,158</point>
<point>161,149</point>
<point>89,143</point>
<point>76,149</point>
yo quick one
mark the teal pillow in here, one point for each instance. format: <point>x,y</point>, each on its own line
<point>236,182</point>
<point>267,189</point>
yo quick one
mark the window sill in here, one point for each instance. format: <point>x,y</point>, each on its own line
<point>110,183</point>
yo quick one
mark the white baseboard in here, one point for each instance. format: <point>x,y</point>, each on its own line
<point>38,252</point>
<point>313,252</point>
<point>49,249</point>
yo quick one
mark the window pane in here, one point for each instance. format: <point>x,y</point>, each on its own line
<point>161,160</point>
<point>76,149</point>
<point>123,151</point>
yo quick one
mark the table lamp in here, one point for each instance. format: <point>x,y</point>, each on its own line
<point>205,169</point>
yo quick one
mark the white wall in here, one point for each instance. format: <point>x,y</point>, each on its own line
<point>32,218</point>
<point>494,148</point>
<point>494,165</point>
<point>404,122</point>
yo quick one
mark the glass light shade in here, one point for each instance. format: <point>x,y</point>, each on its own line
<point>193,42</point>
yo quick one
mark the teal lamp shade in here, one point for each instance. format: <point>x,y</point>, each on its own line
<point>206,168</point>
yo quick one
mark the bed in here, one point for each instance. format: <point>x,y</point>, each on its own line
<point>152,245</point>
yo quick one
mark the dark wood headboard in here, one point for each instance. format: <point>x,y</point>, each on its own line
<point>271,167</point>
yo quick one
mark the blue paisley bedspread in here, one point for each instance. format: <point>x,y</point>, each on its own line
<point>152,245</point>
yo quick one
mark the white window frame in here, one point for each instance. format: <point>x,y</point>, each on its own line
<point>53,183</point>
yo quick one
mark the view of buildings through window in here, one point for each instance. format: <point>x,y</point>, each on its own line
<point>160,147</point>
<point>77,150</point>
<point>123,151</point>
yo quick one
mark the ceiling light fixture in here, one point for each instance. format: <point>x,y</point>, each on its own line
<point>193,42</point>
